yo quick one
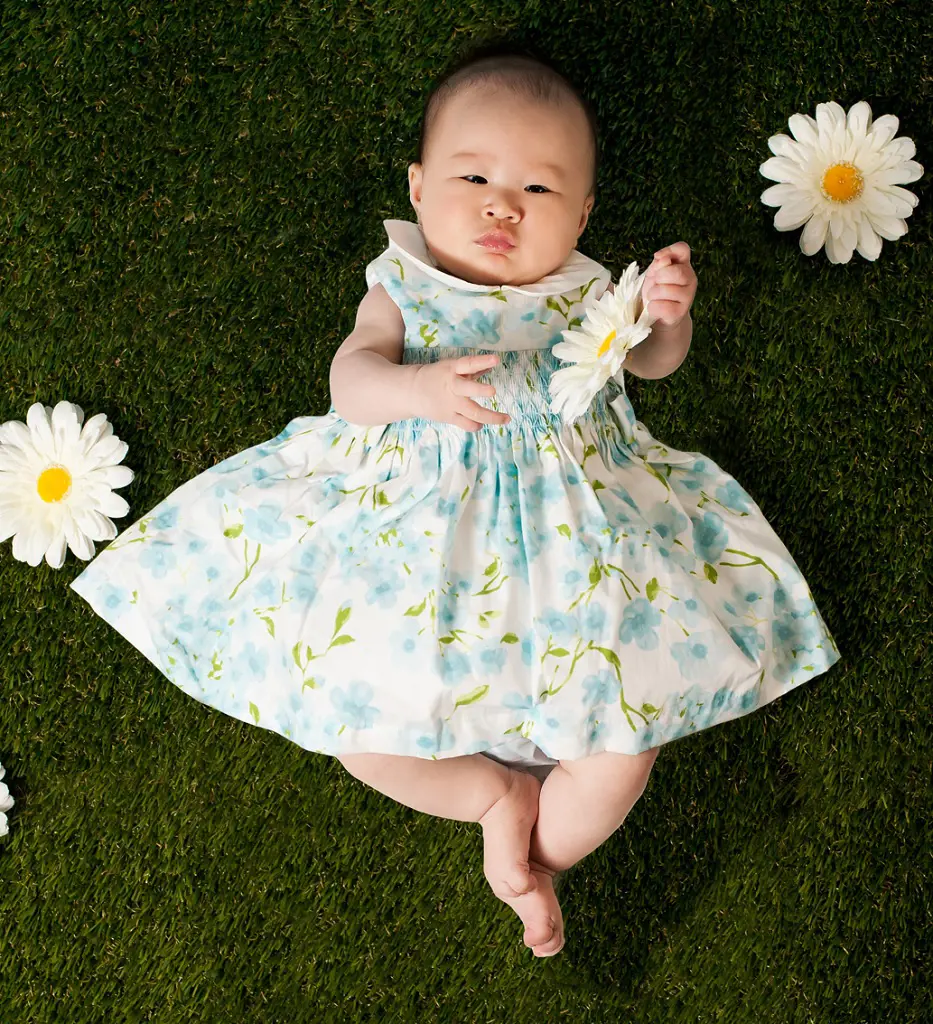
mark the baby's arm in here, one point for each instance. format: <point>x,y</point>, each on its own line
<point>661,352</point>
<point>369,385</point>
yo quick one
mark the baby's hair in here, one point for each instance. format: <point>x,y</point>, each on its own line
<point>522,71</point>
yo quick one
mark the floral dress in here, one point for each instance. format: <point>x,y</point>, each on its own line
<point>531,591</point>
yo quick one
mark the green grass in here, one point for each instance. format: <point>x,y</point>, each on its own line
<point>189,194</point>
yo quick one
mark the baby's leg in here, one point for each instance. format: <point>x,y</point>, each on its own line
<point>463,788</point>
<point>466,788</point>
<point>583,802</point>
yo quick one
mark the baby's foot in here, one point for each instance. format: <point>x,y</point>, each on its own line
<point>527,888</point>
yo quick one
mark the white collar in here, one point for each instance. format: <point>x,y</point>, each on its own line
<point>408,237</point>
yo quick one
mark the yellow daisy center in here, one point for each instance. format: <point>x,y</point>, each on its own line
<point>53,483</point>
<point>842,182</point>
<point>604,348</point>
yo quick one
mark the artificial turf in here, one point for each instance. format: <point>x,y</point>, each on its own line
<point>189,194</point>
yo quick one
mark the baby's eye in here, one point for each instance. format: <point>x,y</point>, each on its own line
<point>467,177</point>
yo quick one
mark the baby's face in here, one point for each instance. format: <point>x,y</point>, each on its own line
<point>529,177</point>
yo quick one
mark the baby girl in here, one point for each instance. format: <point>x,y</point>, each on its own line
<point>503,188</point>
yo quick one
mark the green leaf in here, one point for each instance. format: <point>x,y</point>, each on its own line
<point>652,588</point>
<point>509,638</point>
<point>564,529</point>
<point>270,625</point>
<point>234,531</point>
<point>341,640</point>
<point>472,698</point>
<point>446,640</point>
<point>254,711</point>
<point>417,609</point>
<point>295,653</point>
<point>342,617</point>
<point>610,656</point>
<point>596,574</point>
<point>559,652</point>
<point>649,709</point>
<point>490,569</point>
<point>598,485</point>
<point>710,573</point>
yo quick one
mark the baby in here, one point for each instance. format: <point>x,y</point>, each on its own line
<point>503,188</point>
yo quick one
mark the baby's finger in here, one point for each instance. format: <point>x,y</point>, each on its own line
<point>461,421</point>
<point>468,386</point>
<point>675,274</point>
<point>483,415</point>
<point>467,365</point>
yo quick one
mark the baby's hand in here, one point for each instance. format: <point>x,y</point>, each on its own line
<point>670,284</point>
<point>441,390</point>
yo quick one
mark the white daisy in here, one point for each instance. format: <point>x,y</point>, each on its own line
<point>598,345</point>
<point>55,483</point>
<point>6,802</point>
<point>841,175</point>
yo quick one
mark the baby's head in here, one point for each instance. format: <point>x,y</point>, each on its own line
<point>532,144</point>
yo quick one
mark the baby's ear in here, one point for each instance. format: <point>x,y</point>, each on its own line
<point>414,184</point>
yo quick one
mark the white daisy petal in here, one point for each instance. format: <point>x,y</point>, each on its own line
<point>38,421</point>
<point>777,195</point>
<point>883,130</point>
<point>13,460</point>
<point>778,168</point>
<point>831,122</point>
<point>898,175</point>
<point>792,216</point>
<point>881,202</point>
<point>107,451</point>
<point>814,234</point>
<point>23,543</point>
<point>890,228</point>
<point>15,433</point>
<point>65,424</point>
<point>55,553</point>
<point>111,505</point>
<point>11,522</point>
<point>784,146</point>
<point>79,544</point>
<point>836,250</point>
<point>96,429</point>
<point>804,129</point>
<point>113,476</point>
<point>869,242</point>
<point>902,149</point>
<point>836,224</point>
<point>859,118</point>
<point>906,201</point>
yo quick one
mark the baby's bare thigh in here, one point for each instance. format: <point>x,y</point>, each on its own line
<point>609,768</point>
